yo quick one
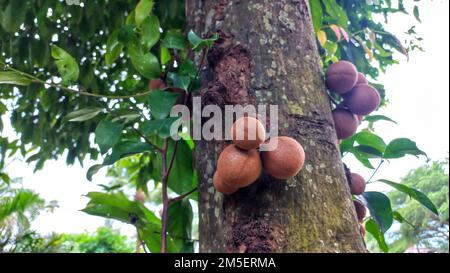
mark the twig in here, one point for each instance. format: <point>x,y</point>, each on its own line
<point>181,197</point>
<point>165,197</point>
<point>376,170</point>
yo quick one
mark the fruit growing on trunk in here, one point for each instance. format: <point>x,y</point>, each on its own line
<point>341,77</point>
<point>362,100</point>
<point>222,187</point>
<point>248,133</point>
<point>286,161</point>
<point>238,168</point>
<point>362,79</point>
<point>345,122</point>
<point>139,196</point>
<point>360,210</point>
<point>358,184</point>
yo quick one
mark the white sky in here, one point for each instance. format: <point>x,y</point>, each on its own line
<point>418,91</point>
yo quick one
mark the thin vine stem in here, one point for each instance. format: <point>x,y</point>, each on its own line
<point>375,172</point>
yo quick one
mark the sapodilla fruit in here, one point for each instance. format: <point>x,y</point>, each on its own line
<point>362,100</point>
<point>341,77</point>
<point>238,168</point>
<point>360,210</point>
<point>222,187</point>
<point>362,79</point>
<point>248,133</point>
<point>140,196</point>
<point>345,122</point>
<point>156,84</point>
<point>286,161</point>
<point>358,185</point>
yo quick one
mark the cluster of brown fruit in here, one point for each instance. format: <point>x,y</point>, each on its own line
<point>360,98</point>
<point>357,187</point>
<point>241,163</point>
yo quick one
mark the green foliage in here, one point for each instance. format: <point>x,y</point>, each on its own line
<point>103,240</point>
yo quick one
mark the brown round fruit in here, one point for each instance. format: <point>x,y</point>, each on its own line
<point>345,122</point>
<point>362,79</point>
<point>286,161</point>
<point>222,187</point>
<point>362,100</point>
<point>341,77</point>
<point>156,84</point>
<point>358,185</point>
<point>248,133</point>
<point>140,196</point>
<point>238,168</point>
<point>360,210</point>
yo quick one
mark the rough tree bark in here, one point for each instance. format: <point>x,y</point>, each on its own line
<point>268,55</point>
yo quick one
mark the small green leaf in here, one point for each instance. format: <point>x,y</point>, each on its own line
<point>181,216</point>
<point>126,148</point>
<point>160,127</point>
<point>107,134</point>
<point>83,114</point>
<point>417,14</point>
<point>400,147</point>
<point>179,81</point>
<point>113,48</point>
<point>150,31</point>
<point>175,40</point>
<point>165,55</point>
<point>145,63</point>
<point>316,14</point>
<point>13,78</point>
<point>198,43</point>
<point>380,209</point>
<point>161,102</point>
<point>67,66</point>
<point>143,10</point>
<point>414,194</point>
<point>374,229</point>
<point>375,118</point>
<point>366,138</point>
<point>93,170</point>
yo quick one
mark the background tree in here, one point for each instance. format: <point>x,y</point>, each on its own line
<point>72,71</point>
<point>421,228</point>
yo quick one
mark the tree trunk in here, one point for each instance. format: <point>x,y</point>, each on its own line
<point>267,54</point>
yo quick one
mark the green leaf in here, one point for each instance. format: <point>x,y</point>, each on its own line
<point>14,78</point>
<point>161,102</point>
<point>175,40</point>
<point>400,147</point>
<point>199,43</point>
<point>83,114</point>
<point>179,81</point>
<point>374,229</point>
<point>67,65</point>
<point>188,68</point>
<point>5,178</point>
<point>165,55</point>
<point>107,134</point>
<point>93,170</point>
<point>180,215</point>
<point>113,48</point>
<point>366,138</point>
<point>380,209</point>
<point>145,63</point>
<point>143,10</point>
<point>150,31</point>
<point>336,11</point>
<point>13,15</point>
<point>375,118</point>
<point>417,14</point>
<point>414,194</point>
<point>316,14</point>
<point>126,148</point>
<point>160,127</point>
<point>362,157</point>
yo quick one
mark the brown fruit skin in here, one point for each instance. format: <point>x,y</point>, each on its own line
<point>360,210</point>
<point>345,122</point>
<point>156,84</point>
<point>139,196</point>
<point>358,185</point>
<point>238,168</point>
<point>362,230</point>
<point>362,100</point>
<point>222,187</point>
<point>362,79</point>
<point>341,77</point>
<point>286,161</point>
<point>248,133</point>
